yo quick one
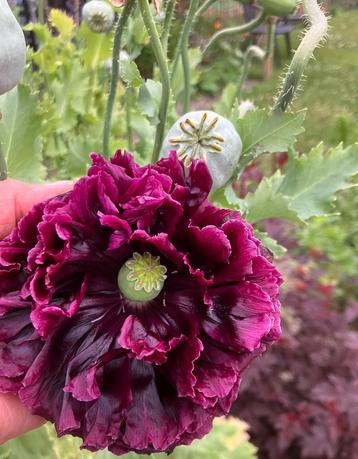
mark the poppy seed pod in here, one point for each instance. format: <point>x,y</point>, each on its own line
<point>207,136</point>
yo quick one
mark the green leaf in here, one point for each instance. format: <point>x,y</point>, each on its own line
<point>312,180</point>
<point>62,23</point>
<point>263,132</point>
<point>308,189</point>
<point>130,73</point>
<point>149,99</point>
<point>20,134</point>
<point>97,48</point>
<point>277,249</point>
<point>266,203</point>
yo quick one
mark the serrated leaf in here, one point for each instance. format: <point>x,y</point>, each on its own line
<point>308,189</point>
<point>41,31</point>
<point>130,73</point>
<point>97,47</point>
<point>264,132</point>
<point>312,180</point>
<point>20,134</point>
<point>62,23</point>
<point>266,203</point>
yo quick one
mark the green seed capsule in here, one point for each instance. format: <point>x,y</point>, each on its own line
<point>12,49</point>
<point>98,15</point>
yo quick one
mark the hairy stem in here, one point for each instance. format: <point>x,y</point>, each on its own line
<point>184,36</point>
<point>312,38</point>
<point>235,30</point>
<point>115,73</point>
<point>169,13</point>
<point>158,50</point>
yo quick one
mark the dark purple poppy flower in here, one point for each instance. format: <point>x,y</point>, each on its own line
<point>130,307</point>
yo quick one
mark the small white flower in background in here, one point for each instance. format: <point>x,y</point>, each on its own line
<point>246,106</point>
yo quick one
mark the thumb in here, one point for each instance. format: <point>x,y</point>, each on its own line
<point>26,195</point>
<point>17,198</point>
<point>15,419</point>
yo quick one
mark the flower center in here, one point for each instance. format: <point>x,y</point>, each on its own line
<point>198,139</point>
<point>142,277</point>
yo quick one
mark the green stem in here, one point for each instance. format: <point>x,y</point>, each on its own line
<point>204,7</point>
<point>313,37</point>
<point>235,30</point>
<point>41,11</point>
<point>184,36</point>
<point>187,79</point>
<point>129,119</point>
<point>251,52</point>
<point>169,13</point>
<point>158,50</point>
<point>270,39</point>
<point>244,72</point>
<point>3,168</point>
<point>115,73</point>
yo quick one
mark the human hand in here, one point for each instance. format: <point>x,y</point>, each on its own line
<point>16,199</point>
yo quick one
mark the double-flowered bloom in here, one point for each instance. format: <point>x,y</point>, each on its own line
<point>130,306</point>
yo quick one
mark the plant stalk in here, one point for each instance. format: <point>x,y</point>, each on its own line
<point>184,36</point>
<point>312,38</point>
<point>161,58</point>
<point>235,30</point>
<point>41,11</point>
<point>187,79</point>
<point>115,73</point>
<point>204,7</point>
<point>129,119</point>
<point>169,13</point>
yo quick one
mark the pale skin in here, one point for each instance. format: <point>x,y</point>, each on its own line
<point>16,199</point>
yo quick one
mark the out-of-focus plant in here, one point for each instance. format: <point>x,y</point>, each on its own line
<point>228,440</point>
<point>334,240</point>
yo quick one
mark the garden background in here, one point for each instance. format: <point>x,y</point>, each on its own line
<point>300,399</point>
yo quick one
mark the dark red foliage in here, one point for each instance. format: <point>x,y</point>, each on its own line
<point>301,399</point>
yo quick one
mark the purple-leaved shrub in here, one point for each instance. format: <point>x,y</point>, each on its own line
<point>301,399</point>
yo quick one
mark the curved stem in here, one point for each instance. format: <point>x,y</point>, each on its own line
<point>187,79</point>
<point>204,7</point>
<point>3,168</point>
<point>158,50</point>
<point>114,73</point>
<point>235,30</point>
<point>251,52</point>
<point>313,37</point>
<point>184,36</point>
<point>169,12</point>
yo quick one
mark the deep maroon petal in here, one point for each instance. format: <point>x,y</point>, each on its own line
<point>123,375</point>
